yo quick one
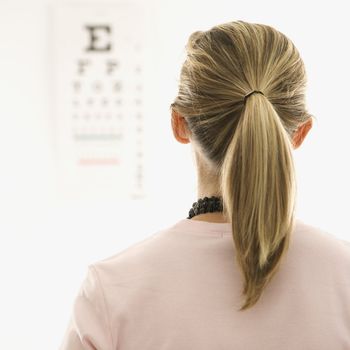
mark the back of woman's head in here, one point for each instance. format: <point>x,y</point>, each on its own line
<point>248,143</point>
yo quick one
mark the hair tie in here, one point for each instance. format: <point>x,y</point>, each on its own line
<point>250,93</point>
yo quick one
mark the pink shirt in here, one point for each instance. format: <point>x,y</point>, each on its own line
<point>179,289</point>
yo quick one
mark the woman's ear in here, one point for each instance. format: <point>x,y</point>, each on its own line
<point>301,133</point>
<point>179,126</point>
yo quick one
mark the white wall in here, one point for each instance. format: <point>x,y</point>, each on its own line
<point>47,241</point>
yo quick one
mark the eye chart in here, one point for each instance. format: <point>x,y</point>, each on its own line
<point>98,98</point>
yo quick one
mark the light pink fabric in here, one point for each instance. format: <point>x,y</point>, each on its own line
<point>179,289</point>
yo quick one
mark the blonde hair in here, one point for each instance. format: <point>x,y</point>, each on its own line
<point>247,144</point>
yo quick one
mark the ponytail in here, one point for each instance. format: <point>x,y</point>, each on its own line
<point>258,189</point>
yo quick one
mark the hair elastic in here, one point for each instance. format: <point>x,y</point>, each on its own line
<point>252,92</point>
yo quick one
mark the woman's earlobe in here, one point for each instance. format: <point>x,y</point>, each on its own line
<point>301,133</point>
<point>179,127</point>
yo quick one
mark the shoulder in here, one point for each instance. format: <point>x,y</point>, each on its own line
<point>135,261</point>
<point>319,243</point>
<point>317,232</point>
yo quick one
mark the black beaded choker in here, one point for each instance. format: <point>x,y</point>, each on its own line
<point>206,205</point>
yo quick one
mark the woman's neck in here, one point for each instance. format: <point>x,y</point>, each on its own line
<point>211,217</point>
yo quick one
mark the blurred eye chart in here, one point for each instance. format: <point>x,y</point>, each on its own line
<point>98,98</point>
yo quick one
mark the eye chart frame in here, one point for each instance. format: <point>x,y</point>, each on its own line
<point>98,70</point>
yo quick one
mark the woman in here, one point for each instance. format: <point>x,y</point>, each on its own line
<point>240,272</point>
